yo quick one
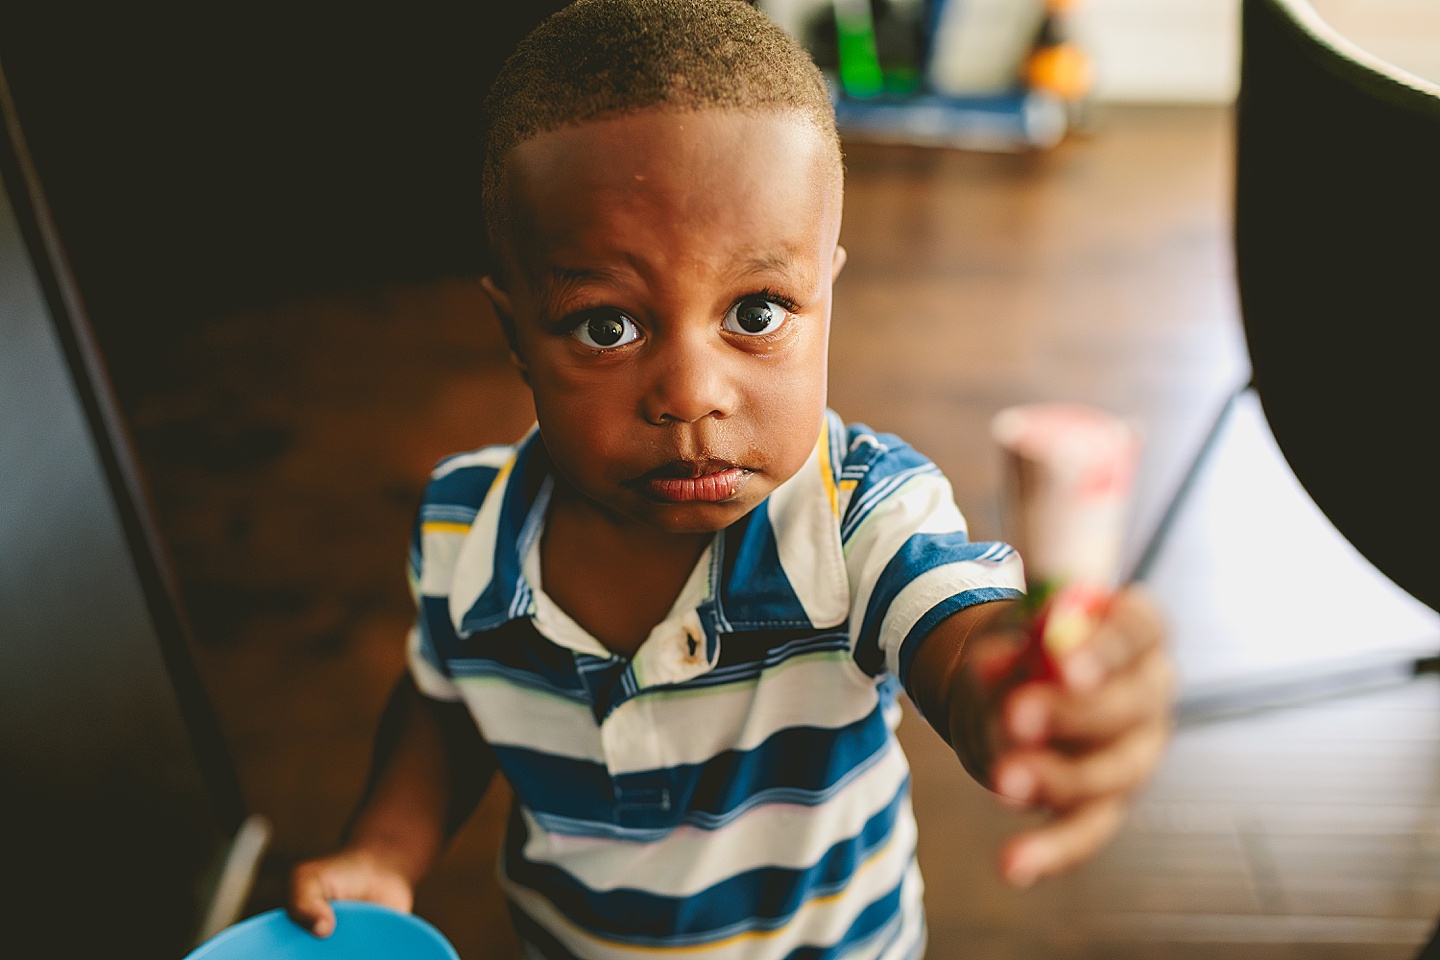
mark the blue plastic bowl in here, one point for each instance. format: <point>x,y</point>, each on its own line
<point>363,931</point>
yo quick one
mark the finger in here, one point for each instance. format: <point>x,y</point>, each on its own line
<point>1028,713</point>
<point>996,656</point>
<point>1132,627</point>
<point>1051,779</point>
<point>1061,844</point>
<point>1035,712</point>
<point>1137,695</point>
<point>308,906</point>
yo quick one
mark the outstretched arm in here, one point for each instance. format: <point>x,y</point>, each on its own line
<point>1077,747</point>
<point>430,768</point>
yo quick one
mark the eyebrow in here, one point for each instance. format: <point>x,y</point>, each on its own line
<point>785,263</point>
<point>768,262</point>
<point>556,282</point>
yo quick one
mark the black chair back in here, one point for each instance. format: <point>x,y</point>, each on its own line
<point>1337,239</point>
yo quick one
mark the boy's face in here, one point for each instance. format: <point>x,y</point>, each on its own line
<point>669,277</point>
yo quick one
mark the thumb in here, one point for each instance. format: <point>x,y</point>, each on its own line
<point>308,905</point>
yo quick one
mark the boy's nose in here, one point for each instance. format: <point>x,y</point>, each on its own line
<point>689,383</point>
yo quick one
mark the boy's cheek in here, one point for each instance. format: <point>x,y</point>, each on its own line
<point>590,447</point>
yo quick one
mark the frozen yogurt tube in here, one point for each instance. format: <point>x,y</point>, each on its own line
<point>1069,471</point>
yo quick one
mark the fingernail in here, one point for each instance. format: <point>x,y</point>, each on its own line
<point>1082,670</point>
<point>1027,720</point>
<point>1017,783</point>
<point>1025,866</point>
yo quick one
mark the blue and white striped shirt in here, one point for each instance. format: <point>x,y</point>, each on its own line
<point>736,787</point>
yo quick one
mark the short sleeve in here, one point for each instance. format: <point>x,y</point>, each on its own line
<point>429,675</point>
<point>908,556</point>
<point>448,509</point>
<point>421,654</point>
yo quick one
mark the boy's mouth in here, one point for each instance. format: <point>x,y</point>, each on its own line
<point>685,481</point>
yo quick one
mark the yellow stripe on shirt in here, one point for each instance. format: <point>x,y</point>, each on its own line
<point>444,526</point>
<point>827,474</point>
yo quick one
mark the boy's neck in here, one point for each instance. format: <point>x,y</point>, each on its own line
<point>613,576</point>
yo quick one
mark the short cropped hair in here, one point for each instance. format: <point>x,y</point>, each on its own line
<point>597,59</point>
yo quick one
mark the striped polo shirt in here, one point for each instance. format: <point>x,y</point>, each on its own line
<point>735,789</point>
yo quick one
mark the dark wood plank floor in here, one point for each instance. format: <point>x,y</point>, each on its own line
<point>287,447</point>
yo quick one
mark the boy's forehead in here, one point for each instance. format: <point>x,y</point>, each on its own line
<point>713,126</point>
<point>767,176</point>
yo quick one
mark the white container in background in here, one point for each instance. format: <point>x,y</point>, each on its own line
<point>980,46</point>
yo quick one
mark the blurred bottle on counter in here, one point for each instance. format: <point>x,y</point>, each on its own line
<point>973,74</point>
<point>1059,66</point>
<point>979,47</point>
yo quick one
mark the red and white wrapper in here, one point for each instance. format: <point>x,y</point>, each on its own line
<point>1069,471</point>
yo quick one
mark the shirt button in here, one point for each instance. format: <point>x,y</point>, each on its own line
<point>694,644</point>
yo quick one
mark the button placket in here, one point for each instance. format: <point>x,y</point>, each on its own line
<point>681,647</point>
<point>631,741</point>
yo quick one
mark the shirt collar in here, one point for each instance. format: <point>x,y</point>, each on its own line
<point>780,566</point>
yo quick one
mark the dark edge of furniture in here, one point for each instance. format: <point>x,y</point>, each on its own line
<point>92,385</point>
<point>1351,63</point>
<point>1343,677</point>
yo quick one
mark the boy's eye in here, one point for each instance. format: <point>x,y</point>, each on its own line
<point>606,330</point>
<point>753,316</point>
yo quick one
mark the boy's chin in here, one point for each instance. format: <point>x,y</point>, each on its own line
<point>691,518</point>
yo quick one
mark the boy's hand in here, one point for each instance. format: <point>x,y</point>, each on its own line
<point>347,875</point>
<point>402,823</point>
<point>1078,746</point>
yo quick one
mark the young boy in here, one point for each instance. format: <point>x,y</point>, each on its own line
<point>676,614</point>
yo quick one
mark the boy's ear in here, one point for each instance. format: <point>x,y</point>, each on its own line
<point>505,311</point>
<point>839,263</point>
<point>499,297</point>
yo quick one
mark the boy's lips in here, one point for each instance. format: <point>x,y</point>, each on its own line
<point>685,481</point>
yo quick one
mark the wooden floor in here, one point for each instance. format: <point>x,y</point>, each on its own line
<point>287,447</point>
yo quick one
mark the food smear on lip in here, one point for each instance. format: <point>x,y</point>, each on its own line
<point>707,488</point>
